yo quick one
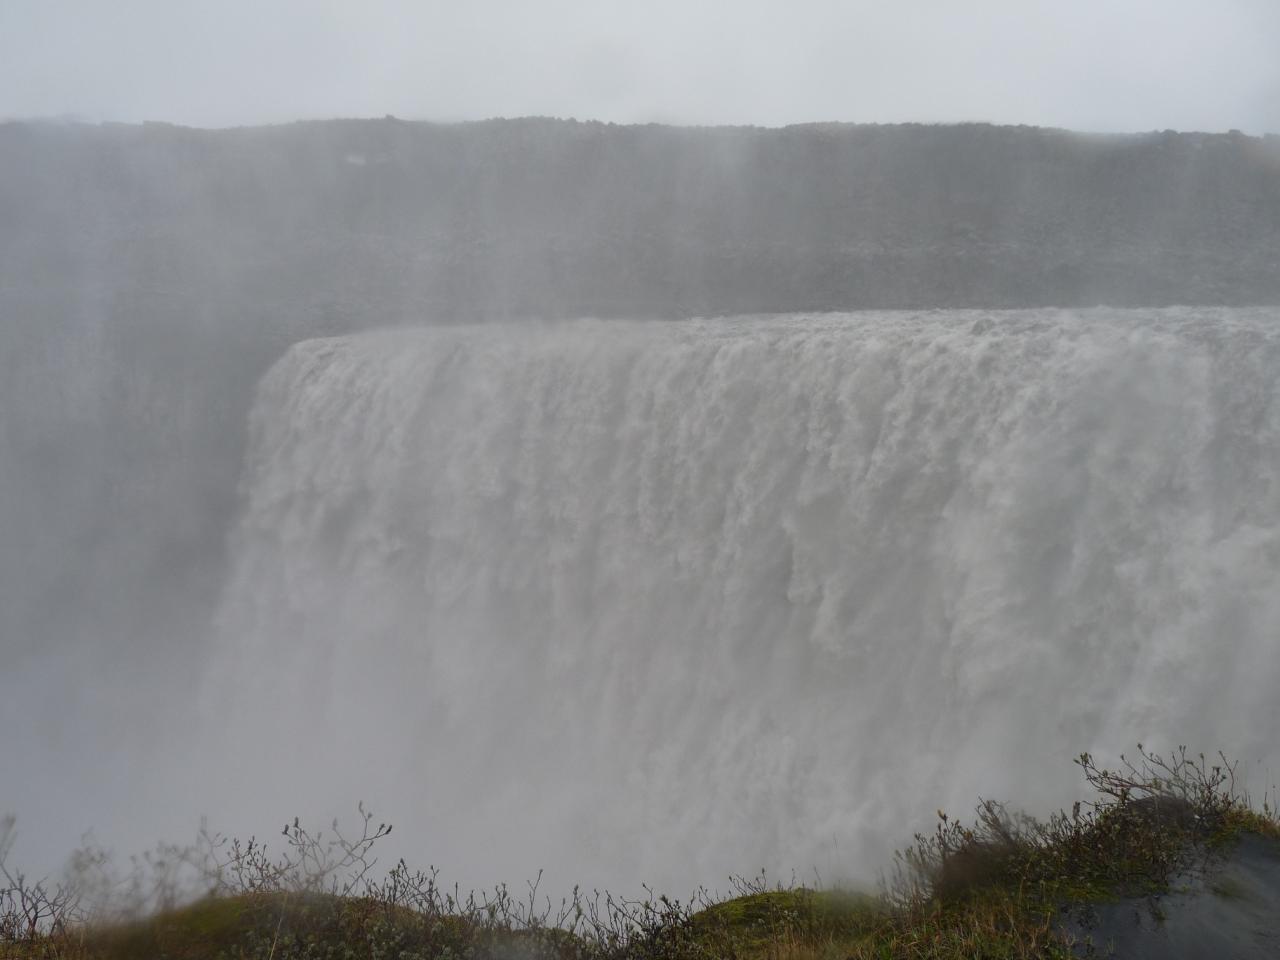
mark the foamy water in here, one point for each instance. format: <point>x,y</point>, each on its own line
<point>667,601</point>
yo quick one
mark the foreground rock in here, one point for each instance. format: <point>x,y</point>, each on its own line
<point>1227,907</point>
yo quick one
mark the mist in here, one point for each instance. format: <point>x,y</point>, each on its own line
<point>645,502</point>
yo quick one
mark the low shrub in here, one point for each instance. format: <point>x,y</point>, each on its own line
<point>993,888</point>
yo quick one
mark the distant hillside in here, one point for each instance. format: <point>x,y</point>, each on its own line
<point>368,221</point>
<point>149,274</point>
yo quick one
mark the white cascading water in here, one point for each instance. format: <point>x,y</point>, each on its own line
<point>656,601</point>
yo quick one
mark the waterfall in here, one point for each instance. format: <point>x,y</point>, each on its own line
<point>665,601</point>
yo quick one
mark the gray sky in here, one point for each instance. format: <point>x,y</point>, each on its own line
<point>1084,64</point>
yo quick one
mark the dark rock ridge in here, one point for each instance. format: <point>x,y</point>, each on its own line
<point>544,217</point>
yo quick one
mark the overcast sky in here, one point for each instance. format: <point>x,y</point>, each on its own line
<point>1084,64</point>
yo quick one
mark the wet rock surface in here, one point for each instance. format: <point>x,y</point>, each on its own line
<point>1226,907</point>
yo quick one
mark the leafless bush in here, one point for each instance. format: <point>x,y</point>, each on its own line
<point>317,882</point>
<point>33,908</point>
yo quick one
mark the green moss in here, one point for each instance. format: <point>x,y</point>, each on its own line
<point>763,922</point>
<point>203,929</point>
<point>776,910</point>
<point>1243,819</point>
<point>311,925</point>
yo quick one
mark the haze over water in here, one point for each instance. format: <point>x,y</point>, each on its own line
<point>668,601</point>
